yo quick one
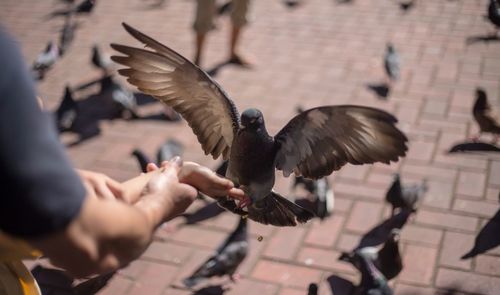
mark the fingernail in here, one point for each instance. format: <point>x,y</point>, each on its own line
<point>176,160</point>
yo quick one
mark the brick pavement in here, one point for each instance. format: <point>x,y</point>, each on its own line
<point>320,53</point>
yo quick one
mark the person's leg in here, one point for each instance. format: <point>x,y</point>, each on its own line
<point>205,11</point>
<point>239,19</point>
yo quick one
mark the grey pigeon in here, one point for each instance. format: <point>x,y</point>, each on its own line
<point>142,159</point>
<point>494,13</point>
<point>169,149</point>
<point>227,258</point>
<point>482,114</point>
<point>99,59</point>
<point>67,34</point>
<point>322,192</point>
<point>405,197</point>
<point>392,63</point>
<point>123,98</point>
<point>373,281</point>
<point>313,144</point>
<point>387,260</point>
<point>67,111</point>
<point>45,60</point>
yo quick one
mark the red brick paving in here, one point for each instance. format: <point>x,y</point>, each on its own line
<point>320,53</point>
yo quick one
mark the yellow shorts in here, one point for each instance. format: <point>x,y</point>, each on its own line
<point>15,278</point>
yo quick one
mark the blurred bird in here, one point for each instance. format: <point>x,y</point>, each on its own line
<point>142,159</point>
<point>386,259</point>
<point>321,191</point>
<point>407,5</point>
<point>291,3</point>
<point>392,64</point>
<point>313,289</point>
<point>405,197</point>
<point>373,281</point>
<point>67,34</point>
<point>474,147</point>
<point>45,60</point>
<point>484,117</point>
<point>85,7</point>
<point>124,99</point>
<point>100,60</point>
<point>169,149</point>
<point>494,14</point>
<point>313,144</point>
<point>226,259</point>
<point>67,111</point>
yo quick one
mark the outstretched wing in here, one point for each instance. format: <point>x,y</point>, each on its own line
<point>172,79</point>
<point>320,140</point>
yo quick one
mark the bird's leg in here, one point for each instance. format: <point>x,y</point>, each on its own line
<point>235,277</point>
<point>245,202</point>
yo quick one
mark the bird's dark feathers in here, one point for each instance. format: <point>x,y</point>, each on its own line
<point>494,13</point>
<point>321,140</point>
<point>180,84</point>
<point>276,210</point>
<point>481,113</point>
<point>67,111</point>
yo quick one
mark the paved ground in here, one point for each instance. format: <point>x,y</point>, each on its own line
<point>320,53</point>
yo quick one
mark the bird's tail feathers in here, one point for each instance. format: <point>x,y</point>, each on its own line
<point>277,210</point>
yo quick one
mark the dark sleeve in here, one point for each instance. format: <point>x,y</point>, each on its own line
<point>40,192</point>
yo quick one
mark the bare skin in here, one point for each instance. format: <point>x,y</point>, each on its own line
<point>117,220</point>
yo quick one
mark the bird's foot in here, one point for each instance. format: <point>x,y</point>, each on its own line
<point>245,202</point>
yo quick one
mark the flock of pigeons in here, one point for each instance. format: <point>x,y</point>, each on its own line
<point>312,145</point>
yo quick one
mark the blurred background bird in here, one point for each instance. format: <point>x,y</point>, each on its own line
<point>100,60</point>
<point>494,15</point>
<point>67,34</point>
<point>45,60</point>
<point>169,149</point>
<point>67,111</point>
<point>123,98</point>
<point>373,281</point>
<point>484,116</point>
<point>405,197</point>
<point>392,65</point>
<point>227,258</point>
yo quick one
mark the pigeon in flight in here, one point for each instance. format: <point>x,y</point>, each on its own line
<point>386,259</point>
<point>312,144</point>
<point>45,60</point>
<point>67,111</point>
<point>373,281</point>
<point>405,197</point>
<point>494,14</point>
<point>226,259</point>
<point>483,115</point>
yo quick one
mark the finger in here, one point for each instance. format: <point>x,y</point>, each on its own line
<point>116,189</point>
<point>104,192</point>
<point>236,193</point>
<point>151,167</point>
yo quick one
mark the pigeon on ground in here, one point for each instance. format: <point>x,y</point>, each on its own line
<point>321,191</point>
<point>142,159</point>
<point>392,63</point>
<point>226,259</point>
<point>313,144</point>
<point>85,7</point>
<point>407,5</point>
<point>45,60</point>
<point>405,197</point>
<point>474,147</point>
<point>483,115</point>
<point>169,149</point>
<point>386,259</point>
<point>494,14</point>
<point>100,60</point>
<point>313,289</point>
<point>67,34</point>
<point>67,111</point>
<point>124,98</point>
<point>373,281</point>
